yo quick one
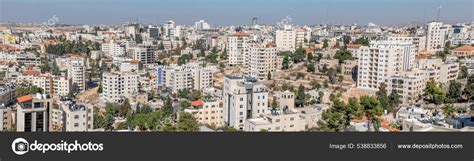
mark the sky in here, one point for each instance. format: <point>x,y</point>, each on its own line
<point>236,12</point>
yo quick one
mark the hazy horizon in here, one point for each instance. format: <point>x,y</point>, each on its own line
<point>225,12</point>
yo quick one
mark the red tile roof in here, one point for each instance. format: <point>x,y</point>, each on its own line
<point>197,103</point>
<point>24,99</point>
<point>354,45</point>
<point>464,48</point>
<point>30,72</point>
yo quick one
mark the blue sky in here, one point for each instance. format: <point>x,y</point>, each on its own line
<point>236,12</point>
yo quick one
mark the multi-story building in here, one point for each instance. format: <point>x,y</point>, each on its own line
<point>202,25</point>
<point>33,113</point>
<point>285,39</point>
<point>244,98</point>
<point>50,84</point>
<point>207,111</point>
<point>435,36</point>
<point>188,76</point>
<point>286,100</point>
<point>116,86</point>
<point>76,116</point>
<point>77,73</point>
<point>144,53</point>
<point>261,61</point>
<point>237,48</point>
<point>276,120</point>
<point>112,49</point>
<point>409,85</point>
<point>448,71</point>
<point>6,119</point>
<point>381,60</point>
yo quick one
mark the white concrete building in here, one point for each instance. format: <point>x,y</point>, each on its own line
<point>33,113</point>
<point>77,73</point>
<point>260,61</point>
<point>381,60</point>
<point>112,49</point>
<point>409,85</point>
<point>276,121</point>
<point>435,36</point>
<point>237,48</point>
<point>116,86</point>
<point>144,53</point>
<point>188,76</point>
<point>244,98</point>
<point>285,39</point>
<point>207,112</point>
<point>202,25</point>
<point>77,117</point>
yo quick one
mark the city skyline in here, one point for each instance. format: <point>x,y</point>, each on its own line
<point>308,12</point>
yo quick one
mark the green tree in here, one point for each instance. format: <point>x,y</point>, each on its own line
<point>382,97</point>
<point>343,55</point>
<point>394,100</point>
<point>310,56</point>
<point>371,108</point>
<point>285,64</point>
<point>469,88</point>
<point>434,92</point>
<point>187,123</point>
<point>300,96</point>
<point>463,73</point>
<point>454,91</point>
<point>310,68</point>
<point>125,108</point>
<point>269,75</point>
<point>449,110</point>
<point>325,44</point>
<point>331,121</point>
<point>185,104</point>
<point>362,41</point>
<point>168,106</point>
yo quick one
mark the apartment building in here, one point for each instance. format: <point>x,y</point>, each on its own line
<point>116,86</point>
<point>244,98</point>
<point>76,116</point>
<point>237,48</point>
<point>77,73</point>
<point>33,113</point>
<point>286,100</point>
<point>6,119</point>
<point>275,121</point>
<point>409,85</point>
<point>435,36</point>
<point>112,49</point>
<point>144,53</point>
<point>448,71</point>
<point>207,112</point>
<point>285,39</point>
<point>260,61</point>
<point>52,85</point>
<point>188,76</point>
<point>381,60</point>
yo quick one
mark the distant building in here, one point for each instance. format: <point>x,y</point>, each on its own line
<point>237,48</point>
<point>116,86</point>
<point>188,76</point>
<point>285,39</point>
